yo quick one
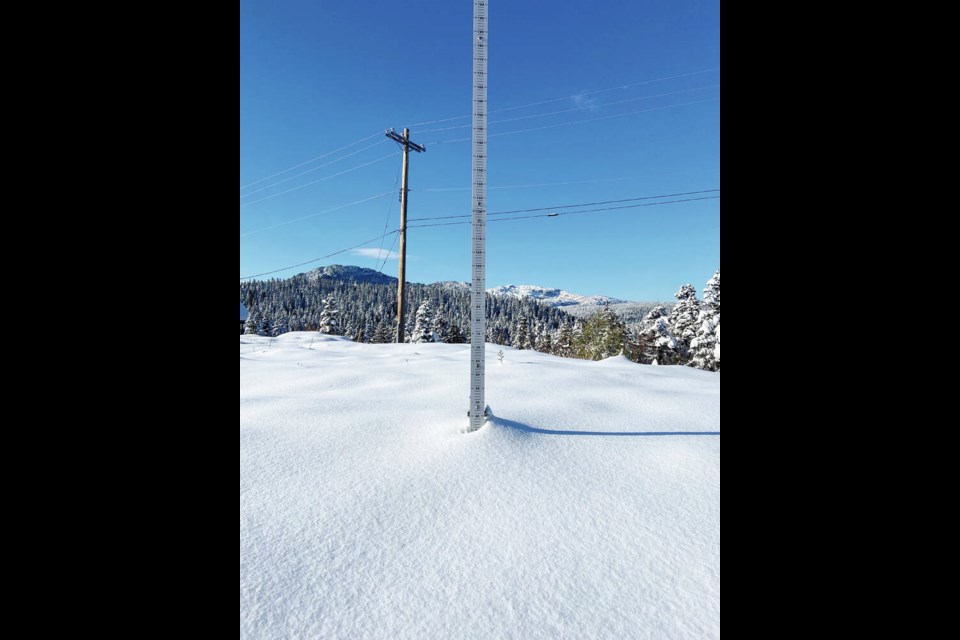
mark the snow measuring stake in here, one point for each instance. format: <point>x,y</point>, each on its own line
<point>478,325</point>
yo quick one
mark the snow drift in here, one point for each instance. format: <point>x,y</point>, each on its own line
<point>579,512</point>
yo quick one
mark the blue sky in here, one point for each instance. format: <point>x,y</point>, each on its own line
<point>317,76</point>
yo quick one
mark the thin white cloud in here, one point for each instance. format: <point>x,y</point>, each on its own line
<point>582,101</point>
<point>376,254</point>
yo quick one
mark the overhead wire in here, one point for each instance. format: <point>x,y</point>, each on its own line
<point>507,109</point>
<point>591,107</point>
<point>571,124</point>
<point>322,166</point>
<point>314,215</point>
<point>568,213</point>
<point>573,96</point>
<point>309,184</point>
<point>320,157</point>
<point>444,142</point>
<point>450,224</point>
<point>396,239</point>
<point>575,206</point>
<point>386,223</point>
<point>535,185</point>
<point>495,135</point>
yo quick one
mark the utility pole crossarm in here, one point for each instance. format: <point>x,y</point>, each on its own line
<point>407,144</point>
<point>396,137</point>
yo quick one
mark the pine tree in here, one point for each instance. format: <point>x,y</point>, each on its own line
<point>603,336</point>
<point>521,335</point>
<point>684,321</point>
<point>383,334</point>
<point>563,346</point>
<point>280,327</point>
<point>634,345</point>
<point>657,342</point>
<point>455,335</point>
<point>252,326</point>
<point>705,347</point>
<point>711,295</point>
<point>265,327</point>
<point>439,329</point>
<point>545,343</point>
<point>330,317</point>
<point>423,329</point>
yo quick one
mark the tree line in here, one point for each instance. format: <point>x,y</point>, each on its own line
<point>686,334</point>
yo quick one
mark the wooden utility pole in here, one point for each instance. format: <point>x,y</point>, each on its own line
<point>407,145</point>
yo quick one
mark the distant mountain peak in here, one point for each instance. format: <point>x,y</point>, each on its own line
<point>552,297</point>
<point>349,274</point>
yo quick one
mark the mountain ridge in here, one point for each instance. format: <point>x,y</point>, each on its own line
<point>554,297</point>
<point>551,296</point>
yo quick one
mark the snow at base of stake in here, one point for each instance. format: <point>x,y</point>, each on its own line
<point>589,507</point>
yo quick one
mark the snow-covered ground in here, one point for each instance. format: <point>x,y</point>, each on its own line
<point>366,513</point>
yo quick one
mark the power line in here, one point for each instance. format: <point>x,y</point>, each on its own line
<point>314,215</point>
<point>570,124</point>
<point>609,104</point>
<point>495,135</point>
<point>584,108</point>
<point>632,206</point>
<point>450,224</point>
<point>568,213</point>
<point>325,164</point>
<point>577,206</point>
<point>386,258</point>
<point>574,96</point>
<point>386,223</point>
<point>536,185</point>
<point>321,157</point>
<point>504,110</point>
<point>310,184</point>
<point>303,264</point>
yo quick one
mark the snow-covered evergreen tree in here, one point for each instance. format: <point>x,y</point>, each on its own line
<point>252,326</point>
<point>545,343</point>
<point>563,346</point>
<point>542,341</point>
<point>658,344</point>
<point>711,295</point>
<point>521,334</point>
<point>633,345</point>
<point>384,333</point>
<point>603,336</point>
<point>280,327</point>
<point>330,317</point>
<point>717,352</point>
<point>440,329</point>
<point>423,330</point>
<point>705,347</point>
<point>455,335</point>
<point>684,321</point>
<point>265,327</point>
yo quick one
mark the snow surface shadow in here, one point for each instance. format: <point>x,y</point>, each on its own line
<point>510,424</point>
